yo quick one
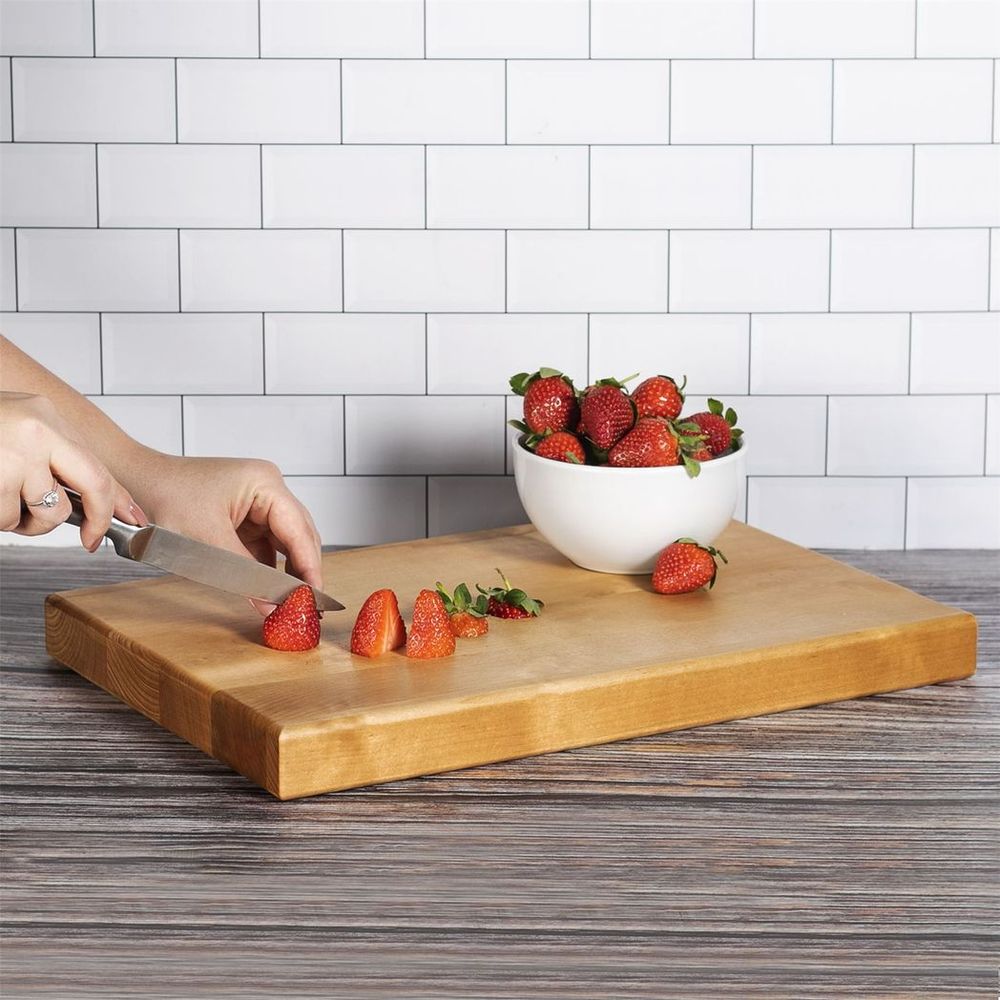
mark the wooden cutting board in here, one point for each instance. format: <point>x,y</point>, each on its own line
<point>609,658</point>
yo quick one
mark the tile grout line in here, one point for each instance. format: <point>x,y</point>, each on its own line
<point>590,28</point>
<point>97,189</point>
<point>100,348</point>
<point>427,501</point>
<point>701,144</point>
<point>183,443</point>
<point>751,184</point>
<point>986,429</point>
<point>263,355</point>
<point>260,179</point>
<point>343,428</point>
<point>916,4</point>
<point>913,188</point>
<point>506,102</point>
<point>343,290</point>
<point>753,29</point>
<point>989,271</point>
<point>177,126</point>
<point>259,50</point>
<point>833,85</point>
<point>829,272</point>
<point>425,28</point>
<point>906,508</point>
<point>670,101</point>
<point>425,186</point>
<point>340,87</point>
<point>93,26</point>
<point>427,377</point>
<point>749,354</point>
<point>909,355</point>
<point>17,301</point>
<point>590,197</point>
<point>180,306</point>
<point>826,440</point>
<point>505,269</point>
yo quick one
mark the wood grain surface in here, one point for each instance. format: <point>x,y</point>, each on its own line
<point>844,850</point>
<point>608,659</point>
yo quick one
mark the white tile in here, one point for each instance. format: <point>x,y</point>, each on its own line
<point>826,353</point>
<point>909,269</point>
<point>302,435</point>
<point>507,186</point>
<point>945,100</point>
<point>472,503</point>
<point>873,436</point>
<point>992,436</point>
<point>955,353</point>
<point>8,290</point>
<point>408,270</point>
<point>590,102</point>
<point>5,103</point>
<point>79,269</point>
<point>423,101</point>
<point>179,185</point>
<point>841,28</point>
<point>328,353</point>
<point>785,435</point>
<point>253,100</point>
<point>94,100</point>
<point>403,435</point>
<point>587,271</point>
<point>478,354</point>
<point>514,411</point>
<point>650,187</point>
<point>747,101</point>
<point>830,186</point>
<point>676,29</point>
<point>726,271</point>
<point>712,351</point>
<point>182,352</point>
<point>957,186</point>
<point>830,513</point>
<point>68,344</point>
<point>953,514</point>
<point>172,28</point>
<point>342,28</point>
<point>46,27</point>
<point>260,270</point>
<point>154,421</point>
<point>507,28</point>
<point>363,510</point>
<point>373,186</point>
<point>958,28</point>
<point>47,185</point>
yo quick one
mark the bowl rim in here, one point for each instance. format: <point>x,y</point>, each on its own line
<point>737,453</point>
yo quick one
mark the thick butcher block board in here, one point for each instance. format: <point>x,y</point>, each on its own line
<point>608,659</point>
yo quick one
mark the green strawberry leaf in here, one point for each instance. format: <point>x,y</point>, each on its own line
<point>548,372</point>
<point>691,467</point>
<point>714,406</point>
<point>519,425</point>
<point>572,459</point>
<point>731,417</point>
<point>519,383</point>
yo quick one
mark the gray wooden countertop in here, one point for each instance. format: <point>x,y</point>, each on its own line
<point>849,849</point>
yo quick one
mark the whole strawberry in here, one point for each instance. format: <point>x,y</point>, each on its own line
<point>509,602</point>
<point>430,631</point>
<point>606,411</point>
<point>549,400</point>
<point>659,396</point>
<point>719,429</point>
<point>684,566</point>
<point>560,447</point>
<point>293,626</point>
<point>651,442</point>
<point>467,617</point>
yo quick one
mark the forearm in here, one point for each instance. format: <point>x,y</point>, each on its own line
<point>128,461</point>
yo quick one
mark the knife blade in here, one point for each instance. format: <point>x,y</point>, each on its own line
<point>215,567</point>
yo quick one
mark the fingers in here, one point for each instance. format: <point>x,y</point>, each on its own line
<point>296,535</point>
<point>36,518</point>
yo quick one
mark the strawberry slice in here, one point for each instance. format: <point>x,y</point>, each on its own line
<point>430,631</point>
<point>293,625</point>
<point>379,626</point>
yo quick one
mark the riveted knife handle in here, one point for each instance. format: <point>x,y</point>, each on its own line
<point>120,534</point>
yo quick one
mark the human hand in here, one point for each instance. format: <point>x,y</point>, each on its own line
<point>241,505</point>
<point>37,454</point>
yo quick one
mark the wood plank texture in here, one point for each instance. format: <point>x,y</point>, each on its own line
<point>609,659</point>
<point>845,850</point>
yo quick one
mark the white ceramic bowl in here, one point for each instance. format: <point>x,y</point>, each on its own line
<point>617,520</point>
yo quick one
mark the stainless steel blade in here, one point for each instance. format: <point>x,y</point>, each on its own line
<point>216,567</point>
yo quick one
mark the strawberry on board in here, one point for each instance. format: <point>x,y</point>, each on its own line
<point>379,626</point>
<point>467,617</point>
<point>293,625</point>
<point>430,631</point>
<point>560,447</point>
<point>719,429</point>
<point>509,602</point>
<point>684,566</point>
<point>659,396</point>
<point>606,411</point>
<point>549,401</point>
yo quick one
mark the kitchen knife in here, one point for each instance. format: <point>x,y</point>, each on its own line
<point>203,563</point>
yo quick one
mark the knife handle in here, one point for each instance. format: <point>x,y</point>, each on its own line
<point>120,534</point>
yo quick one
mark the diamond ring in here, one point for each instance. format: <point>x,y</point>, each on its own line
<point>51,499</point>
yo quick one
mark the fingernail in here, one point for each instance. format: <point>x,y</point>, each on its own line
<point>138,514</point>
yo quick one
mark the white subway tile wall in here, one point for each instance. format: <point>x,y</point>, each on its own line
<point>325,232</point>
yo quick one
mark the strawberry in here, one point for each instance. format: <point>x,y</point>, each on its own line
<point>606,411</point>
<point>467,617</point>
<point>509,602</point>
<point>560,447</point>
<point>294,624</point>
<point>430,631</point>
<point>685,565</point>
<point>720,430</point>
<point>650,443</point>
<point>659,396</point>
<point>549,401</point>
<point>379,626</point>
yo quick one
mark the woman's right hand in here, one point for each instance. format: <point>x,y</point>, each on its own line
<point>38,454</point>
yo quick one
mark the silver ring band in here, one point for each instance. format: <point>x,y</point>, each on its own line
<point>51,499</point>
